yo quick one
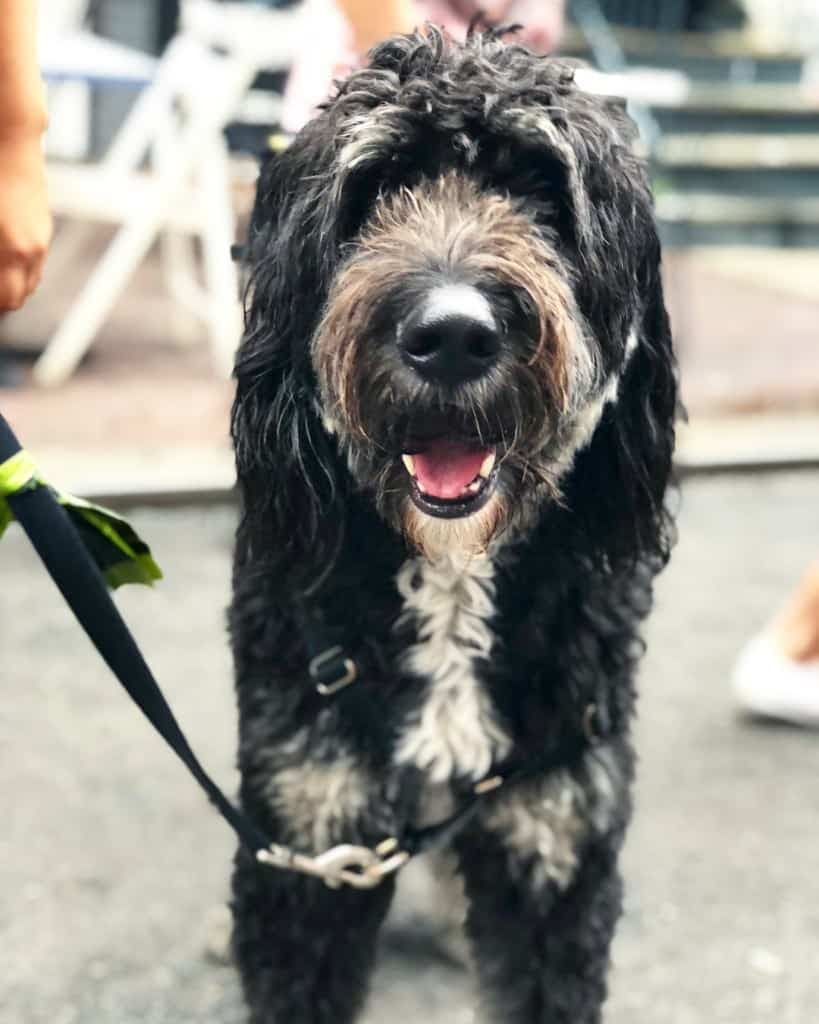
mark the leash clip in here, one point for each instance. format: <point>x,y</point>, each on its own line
<point>345,864</point>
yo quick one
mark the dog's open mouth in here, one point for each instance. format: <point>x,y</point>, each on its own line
<point>450,477</point>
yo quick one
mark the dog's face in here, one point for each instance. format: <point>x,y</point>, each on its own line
<point>451,353</point>
<point>476,247</point>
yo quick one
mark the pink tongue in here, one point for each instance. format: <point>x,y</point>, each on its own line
<point>446,468</point>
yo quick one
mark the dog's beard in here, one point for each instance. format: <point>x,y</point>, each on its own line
<point>465,537</point>
<point>525,483</point>
<point>517,459</point>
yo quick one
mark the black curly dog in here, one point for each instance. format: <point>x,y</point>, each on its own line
<point>453,427</point>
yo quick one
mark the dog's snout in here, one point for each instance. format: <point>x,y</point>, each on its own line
<point>452,350</point>
<point>453,338</point>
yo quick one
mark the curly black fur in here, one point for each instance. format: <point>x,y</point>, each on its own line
<point>569,585</point>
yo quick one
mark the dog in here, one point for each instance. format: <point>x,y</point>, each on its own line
<point>453,427</point>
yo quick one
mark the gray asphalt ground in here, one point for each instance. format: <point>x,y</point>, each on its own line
<point>112,864</point>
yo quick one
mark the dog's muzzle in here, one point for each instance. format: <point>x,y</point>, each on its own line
<point>452,338</point>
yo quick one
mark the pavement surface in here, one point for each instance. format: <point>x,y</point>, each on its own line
<point>114,869</point>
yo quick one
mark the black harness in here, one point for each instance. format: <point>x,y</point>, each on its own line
<point>330,667</point>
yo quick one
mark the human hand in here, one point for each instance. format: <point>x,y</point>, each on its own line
<point>25,219</point>
<point>491,11</point>
<point>371,21</point>
<point>542,20</point>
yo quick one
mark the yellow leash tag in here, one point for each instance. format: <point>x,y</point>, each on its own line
<point>120,553</point>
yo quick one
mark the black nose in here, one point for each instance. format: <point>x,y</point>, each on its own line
<point>449,350</point>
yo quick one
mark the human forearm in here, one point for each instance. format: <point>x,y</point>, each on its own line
<point>372,21</point>
<point>22,96</point>
<point>25,221</point>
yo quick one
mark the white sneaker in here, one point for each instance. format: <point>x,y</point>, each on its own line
<point>768,683</point>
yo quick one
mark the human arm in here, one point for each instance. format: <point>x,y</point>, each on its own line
<point>25,220</point>
<point>372,20</point>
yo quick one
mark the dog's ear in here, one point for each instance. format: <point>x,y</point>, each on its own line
<point>619,483</point>
<point>287,467</point>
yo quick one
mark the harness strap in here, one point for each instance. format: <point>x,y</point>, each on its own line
<point>330,667</point>
<point>596,729</point>
<point>79,580</point>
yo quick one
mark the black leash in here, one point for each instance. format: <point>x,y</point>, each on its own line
<point>80,582</point>
<point>331,669</point>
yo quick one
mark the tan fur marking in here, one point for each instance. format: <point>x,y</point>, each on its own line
<point>544,821</point>
<point>320,801</point>
<point>437,538</point>
<point>477,236</point>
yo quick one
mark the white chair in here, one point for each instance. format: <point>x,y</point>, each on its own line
<point>194,91</point>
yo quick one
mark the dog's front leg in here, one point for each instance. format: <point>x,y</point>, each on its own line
<point>542,909</point>
<point>305,951</point>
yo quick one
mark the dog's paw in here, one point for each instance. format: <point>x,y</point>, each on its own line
<point>218,935</point>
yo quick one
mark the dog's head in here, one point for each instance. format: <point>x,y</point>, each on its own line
<point>455,299</point>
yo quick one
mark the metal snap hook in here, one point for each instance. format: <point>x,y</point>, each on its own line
<point>345,864</point>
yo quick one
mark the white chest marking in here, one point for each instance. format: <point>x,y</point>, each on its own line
<point>454,733</point>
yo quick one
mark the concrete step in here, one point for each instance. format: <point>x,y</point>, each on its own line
<point>712,103</point>
<point>751,44</point>
<point>760,184</point>
<point>788,275</point>
<point>714,218</point>
<point>740,150</point>
<point>750,108</point>
<point>769,167</point>
<point>755,98</point>
<point>204,475</point>
<point>704,55</point>
<point>714,207</point>
<point>685,235</point>
<point>701,119</point>
<point>747,442</point>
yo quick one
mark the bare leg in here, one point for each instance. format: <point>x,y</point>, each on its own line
<point>777,672</point>
<point>796,628</point>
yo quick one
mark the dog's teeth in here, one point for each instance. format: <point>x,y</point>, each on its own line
<point>409,462</point>
<point>487,464</point>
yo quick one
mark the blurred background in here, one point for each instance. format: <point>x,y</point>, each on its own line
<point>116,375</point>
